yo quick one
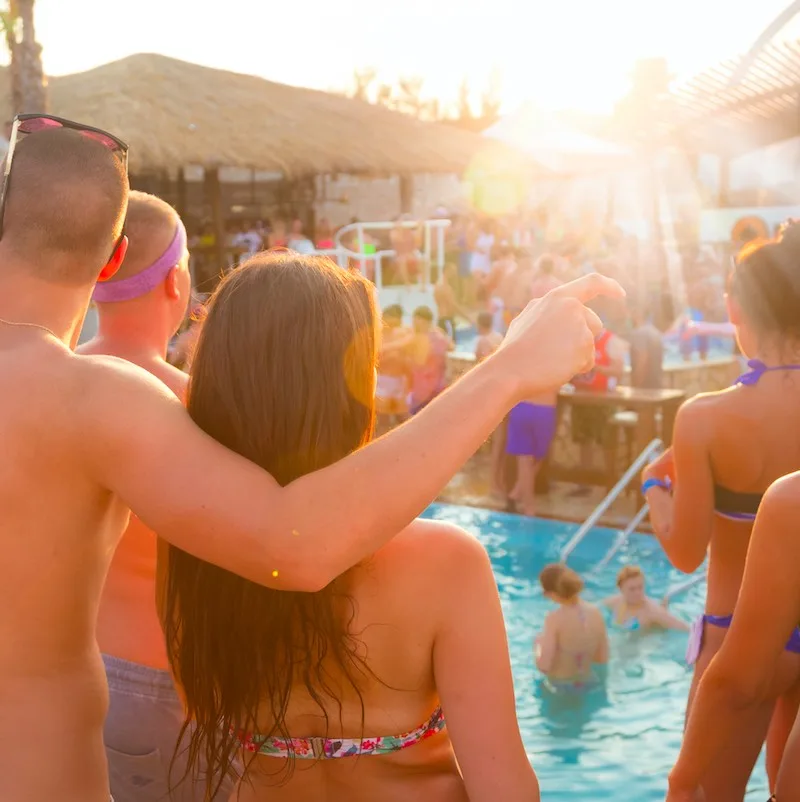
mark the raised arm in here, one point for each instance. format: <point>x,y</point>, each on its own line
<point>767,611</point>
<point>220,507</point>
<point>683,521</point>
<point>472,669</point>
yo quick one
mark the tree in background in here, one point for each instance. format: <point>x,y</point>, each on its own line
<point>28,82</point>
<point>407,96</point>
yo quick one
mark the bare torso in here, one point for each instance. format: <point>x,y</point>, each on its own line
<point>445,298</point>
<point>398,602</point>
<point>580,632</point>
<point>755,441</point>
<point>127,624</point>
<point>59,532</point>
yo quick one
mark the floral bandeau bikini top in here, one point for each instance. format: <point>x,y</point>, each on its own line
<point>317,748</point>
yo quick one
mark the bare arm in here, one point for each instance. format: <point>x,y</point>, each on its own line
<point>473,676</point>
<point>683,522</point>
<point>739,676</point>
<point>222,508</point>
<point>664,618</point>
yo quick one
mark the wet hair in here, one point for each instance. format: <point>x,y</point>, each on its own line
<point>628,572</point>
<point>150,226</point>
<point>283,375</point>
<point>561,580</point>
<point>485,320</point>
<point>393,310</point>
<point>766,283</point>
<point>66,201</point>
<point>424,313</point>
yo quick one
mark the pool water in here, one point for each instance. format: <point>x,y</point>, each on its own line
<point>467,338</point>
<point>618,742</point>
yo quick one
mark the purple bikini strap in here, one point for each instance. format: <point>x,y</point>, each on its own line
<point>135,286</point>
<point>758,369</point>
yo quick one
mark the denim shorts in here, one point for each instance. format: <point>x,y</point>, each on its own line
<point>144,720</point>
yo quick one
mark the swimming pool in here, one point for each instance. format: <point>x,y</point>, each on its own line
<point>467,337</point>
<point>619,742</point>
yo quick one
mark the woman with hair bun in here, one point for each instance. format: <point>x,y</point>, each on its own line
<point>704,492</point>
<point>574,637</point>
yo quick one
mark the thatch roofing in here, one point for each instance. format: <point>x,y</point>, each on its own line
<point>174,113</point>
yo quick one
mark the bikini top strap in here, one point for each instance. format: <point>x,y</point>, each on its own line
<point>757,370</point>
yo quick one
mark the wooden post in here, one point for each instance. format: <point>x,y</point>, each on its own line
<point>180,200</point>
<point>217,217</point>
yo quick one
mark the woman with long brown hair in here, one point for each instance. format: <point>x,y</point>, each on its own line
<point>402,660</point>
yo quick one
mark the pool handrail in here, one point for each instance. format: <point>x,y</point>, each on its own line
<point>623,537</point>
<point>651,450</point>
<point>683,587</point>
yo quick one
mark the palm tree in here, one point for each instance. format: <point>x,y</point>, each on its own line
<point>28,83</point>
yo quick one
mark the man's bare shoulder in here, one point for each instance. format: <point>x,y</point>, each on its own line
<point>177,380</point>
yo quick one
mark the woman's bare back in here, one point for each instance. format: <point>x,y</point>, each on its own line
<point>401,600</point>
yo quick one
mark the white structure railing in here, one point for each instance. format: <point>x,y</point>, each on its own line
<point>432,253</point>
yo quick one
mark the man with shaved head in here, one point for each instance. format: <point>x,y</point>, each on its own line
<point>86,438</point>
<point>139,309</point>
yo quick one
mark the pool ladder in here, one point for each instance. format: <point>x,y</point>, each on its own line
<point>653,449</point>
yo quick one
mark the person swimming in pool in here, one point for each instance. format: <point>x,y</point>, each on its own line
<point>633,610</point>
<point>574,637</point>
<point>704,492</point>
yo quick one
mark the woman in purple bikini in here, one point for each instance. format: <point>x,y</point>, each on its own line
<point>704,492</point>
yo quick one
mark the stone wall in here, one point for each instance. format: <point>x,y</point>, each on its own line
<point>346,196</point>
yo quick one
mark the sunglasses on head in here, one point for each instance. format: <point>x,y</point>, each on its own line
<point>28,124</point>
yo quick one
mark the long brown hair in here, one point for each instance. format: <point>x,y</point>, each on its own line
<point>283,374</point>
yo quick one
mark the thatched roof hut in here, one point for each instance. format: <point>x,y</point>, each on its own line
<point>174,113</point>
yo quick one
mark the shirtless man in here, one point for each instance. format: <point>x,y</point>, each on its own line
<point>391,390</point>
<point>86,437</point>
<point>545,278</point>
<point>447,304</point>
<point>139,309</point>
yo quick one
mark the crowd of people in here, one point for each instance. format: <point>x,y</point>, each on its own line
<point>204,571</point>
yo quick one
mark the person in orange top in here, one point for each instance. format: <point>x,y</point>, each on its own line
<point>139,310</point>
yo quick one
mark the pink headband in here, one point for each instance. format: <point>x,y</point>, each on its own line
<point>135,286</point>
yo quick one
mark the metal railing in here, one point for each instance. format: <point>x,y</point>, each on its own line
<point>650,451</point>
<point>683,587</point>
<point>433,235</point>
<point>623,537</point>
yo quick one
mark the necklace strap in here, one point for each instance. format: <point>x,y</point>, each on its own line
<point>29,326</point>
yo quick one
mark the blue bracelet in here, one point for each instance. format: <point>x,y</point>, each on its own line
<point>649,484</point>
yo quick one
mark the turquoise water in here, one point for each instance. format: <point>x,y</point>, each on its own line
<point>466,339</point>
<point>618,742</point>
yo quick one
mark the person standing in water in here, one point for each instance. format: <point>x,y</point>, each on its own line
<point>704,492</point>
<point>574,637</point>
<point>139,310</point>
<point>633,610</point>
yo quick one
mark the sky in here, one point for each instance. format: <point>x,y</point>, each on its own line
<point>575,54</point>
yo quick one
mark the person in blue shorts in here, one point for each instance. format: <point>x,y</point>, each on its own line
<point>531,428</point>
